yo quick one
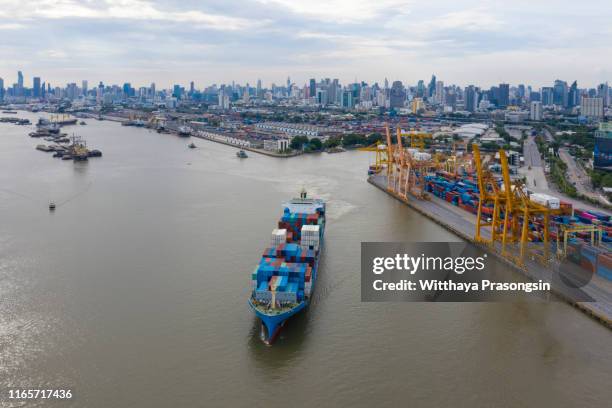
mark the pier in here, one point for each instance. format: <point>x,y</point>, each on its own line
<point>463,224</point>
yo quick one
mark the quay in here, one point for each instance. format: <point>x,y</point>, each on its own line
<point>463,224</point>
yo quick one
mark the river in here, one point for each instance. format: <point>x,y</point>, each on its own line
<point>133,293</point>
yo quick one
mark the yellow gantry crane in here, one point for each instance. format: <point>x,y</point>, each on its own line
<point>512,214</point>
<point>566,231</point>
<point>417,138</point>
<point>405,174</point>
<point>381,156</point>
<point>487,218</point>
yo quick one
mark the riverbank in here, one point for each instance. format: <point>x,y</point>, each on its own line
<point>463,224</point>
<point>202,135</point>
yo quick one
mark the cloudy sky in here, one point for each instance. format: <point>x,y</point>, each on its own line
<point>216,41</point>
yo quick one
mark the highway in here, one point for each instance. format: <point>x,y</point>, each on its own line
<point>533,169</point>
<point>578,176</point>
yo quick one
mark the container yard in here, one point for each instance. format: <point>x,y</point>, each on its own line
<point>283,281</point>
<point>533,232</point>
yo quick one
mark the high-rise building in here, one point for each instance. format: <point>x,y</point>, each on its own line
<point>347,100</point>
<point>36,87</point>
<point>592,107</point>
<point>312,88</point>
<point>536,110</point>
<point>439,95</point>
<point>259,92</point>
<point>322,96</point>
<point>432,86</point>
<point>471,98</point>
<point>560,93</point>
<point>604,93</point>
<point>176,91</point>
<point>84,87</point>
<point>20,83</point>
<point>504,95</point>
<point>420,91</point>
<point>547,96</point>
<point>602,153</point>
<point>71,91</point>
<point>397,95</point>
<point>521,91</point>
<point>1,89</point>
<point>573,98</point>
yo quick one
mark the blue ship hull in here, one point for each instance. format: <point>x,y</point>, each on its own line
<point>274,323</point>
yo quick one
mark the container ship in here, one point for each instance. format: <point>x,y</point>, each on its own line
<point>284,279</point>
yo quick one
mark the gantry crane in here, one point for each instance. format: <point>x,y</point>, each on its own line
<point>596,232</point>
<point>519,213</point>
<point>489,194</point>
<point>417,138</point>
<point>382,159</point>
<point>404,173</point>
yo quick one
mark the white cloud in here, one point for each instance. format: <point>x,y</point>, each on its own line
<point>11,26</point>
<point>341,11</point>
<point>123,9</point>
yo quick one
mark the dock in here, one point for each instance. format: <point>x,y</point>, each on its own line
<point>463,224</point>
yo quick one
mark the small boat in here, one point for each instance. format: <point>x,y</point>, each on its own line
<point>95,153</point>
<point>51,206</point>
<point>67,157</point>
<point>82,122</point>
<point>10,111</point>
<point>241,154</point>
<point>192,145</point>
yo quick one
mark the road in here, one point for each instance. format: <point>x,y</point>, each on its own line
<point>533,170</point>
<point>578,176</point>
<point>536,179</point>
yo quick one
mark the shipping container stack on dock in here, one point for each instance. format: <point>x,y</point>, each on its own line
<point>283,280</point>
<point>462,191</point>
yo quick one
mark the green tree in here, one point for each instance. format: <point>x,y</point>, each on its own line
<point>315,144</point>
<point>298,142</point>
<point>374,137</point>
<point>332,142</point>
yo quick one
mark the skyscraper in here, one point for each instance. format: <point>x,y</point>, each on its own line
<point>547,96</point>
<point>604,93</point>
<point>432,86</point>
<point>504,95</point>
<point>36,87</point>
<point>560,93</point>
<point>312,88</point>
<point>19,89</point>
<point>572,97</point>
<point>1,89</point>
<point>259,94</point>
<point>439,93</point>
<point>397,95</point>
<point>471,98</point>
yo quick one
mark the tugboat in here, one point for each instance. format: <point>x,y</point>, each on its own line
<point>192,145</point>
<point>241,154</point>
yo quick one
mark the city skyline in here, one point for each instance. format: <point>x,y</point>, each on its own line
<point>479,43</point>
